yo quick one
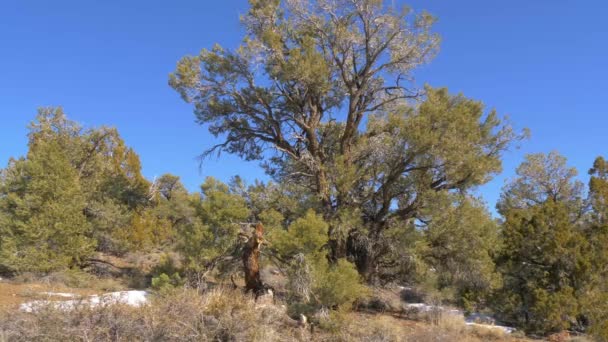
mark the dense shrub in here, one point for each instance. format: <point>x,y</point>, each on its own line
<point>337,285</point>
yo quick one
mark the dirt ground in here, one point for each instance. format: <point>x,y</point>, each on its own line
<point>13,294</point>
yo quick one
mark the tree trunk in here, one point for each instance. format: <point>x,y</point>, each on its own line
<point>251,262</point>
<point>360,250</point>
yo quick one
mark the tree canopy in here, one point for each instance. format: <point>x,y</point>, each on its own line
<point>322,92</point>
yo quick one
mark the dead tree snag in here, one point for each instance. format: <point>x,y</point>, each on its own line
<point>251,261</point>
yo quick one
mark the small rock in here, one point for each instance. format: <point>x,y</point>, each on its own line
<point>302,321</point>
<point>265,299</point>
<point>211,321</point>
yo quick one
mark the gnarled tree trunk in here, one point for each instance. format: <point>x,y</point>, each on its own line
<point>251,261</point>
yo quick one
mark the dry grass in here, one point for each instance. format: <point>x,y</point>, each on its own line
<point>72,279</point>
<point>220,315</point>
<point>354,326</point>
<point>445,326</point>
<point>388,328</point>
<point>488,334</point>
<point>223,315</point>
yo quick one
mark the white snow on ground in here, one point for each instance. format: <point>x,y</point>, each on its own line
<point>422,307</point>
<point>131,298</point>
<point>507,330</point>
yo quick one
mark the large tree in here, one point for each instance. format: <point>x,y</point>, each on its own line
<point>322,91</point>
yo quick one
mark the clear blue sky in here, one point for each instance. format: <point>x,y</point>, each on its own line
<point>542,62</point>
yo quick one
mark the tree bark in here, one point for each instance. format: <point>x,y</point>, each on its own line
<point>251,262</point>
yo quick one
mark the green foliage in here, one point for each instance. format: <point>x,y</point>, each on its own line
<point>288,200</point>
<point>595,305</point>
<point>170,209</point>
<point>164,283</point>
<point>337,285</point>
<point>221,209</point>
<point>172,201</point>
<point>76,190</point>
<point>146,230</point>
<point>541,178</point>
<point>596,299</point>
<point>547,261</point>
<point>451,128</point>
<point>311,68</point>
<point>313,281</point>
<point>305,235</point>
<point>110,222</point>
<point>42,207</point>
<point>214,233</point>
<point>388,202</point>
<point>117,192</point>
<point>459,245</point>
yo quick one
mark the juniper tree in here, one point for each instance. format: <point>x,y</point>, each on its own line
<point>213,235</point>
<point>547,260</point>
<point>596,302</point>
<point>298,92</point>
<point>42,207</point>
<point>459,244</point>
<point>106,171</point>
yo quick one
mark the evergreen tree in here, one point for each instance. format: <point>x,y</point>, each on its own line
<point>304,82</point>
<point>597,235</point>
<point>547,259</point>
<point>167,213</point>
<point>459,244</point>
<point>214,234</point>
<point>103,175</point>
<point>42,207</point>
<point>312,280</point>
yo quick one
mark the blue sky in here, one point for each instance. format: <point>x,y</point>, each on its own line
<point>542,62</point>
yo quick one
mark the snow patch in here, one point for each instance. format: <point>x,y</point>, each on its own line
<point>422,307</point>
<point>131,298</point>
<point>507,330</point>
<point>471,320</point>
